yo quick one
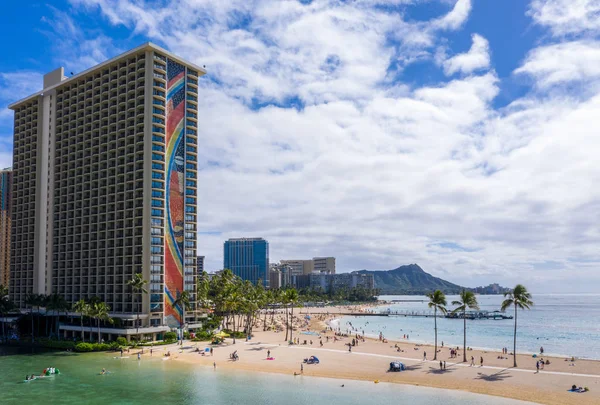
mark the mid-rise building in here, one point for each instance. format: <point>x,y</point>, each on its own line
<point>328,281</point>
<point>324,264</point>
<point>247,258</point>
<point>275,278</point>
<point>299,267</point>
<point>104,171</point>
<point>5,224</point>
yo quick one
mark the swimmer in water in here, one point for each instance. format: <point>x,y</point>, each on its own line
<point>103,371</point>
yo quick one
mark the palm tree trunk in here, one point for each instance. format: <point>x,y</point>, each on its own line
<point>287,329</point>
<point>435,327</point>
<point>515,341</point>
<point>82,333</point>
<point>32,337</point>
<point>265,319</point>
<point>292,322</point>
<point>98,330</point>
<point>137,323</point>
<point>465,337</point>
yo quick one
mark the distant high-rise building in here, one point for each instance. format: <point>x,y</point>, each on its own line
<point>5,221</point>
<point>324,264</point>
<point>199,264</point>
<point>247,258</point>
<point>105,187</point>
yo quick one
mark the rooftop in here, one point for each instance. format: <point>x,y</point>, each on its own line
<point>148,46</point>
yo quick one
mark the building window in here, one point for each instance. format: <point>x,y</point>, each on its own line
<point>157,213</point>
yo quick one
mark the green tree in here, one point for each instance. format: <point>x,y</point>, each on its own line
<point>437,301</point>
<point>5,306</point>
<point>138,286</point>
<point>83,308</point>
<point>519,297</point>
<point>292,299</point>
<point>467,301</point>
<point>100,312</point>
<point>33,300</point>
<point>57,304</point>
<point>183,300</point>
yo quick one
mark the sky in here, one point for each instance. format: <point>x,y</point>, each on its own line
<point>462,135</point>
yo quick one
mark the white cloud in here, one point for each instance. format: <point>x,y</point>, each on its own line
<point>455,18</point>
<point>563,63</point>
<point>478,57</point>
<point>373,171</point>
<point>567,17</point>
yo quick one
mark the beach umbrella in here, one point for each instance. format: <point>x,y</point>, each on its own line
<point>222,334</point>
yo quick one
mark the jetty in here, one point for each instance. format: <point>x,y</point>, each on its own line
<point>473,315</point>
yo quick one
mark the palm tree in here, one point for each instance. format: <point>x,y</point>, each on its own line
<point>58,304</point>
<point>138,284</point>
<point>5,305</point>
<point>183,300</point>
<point>99,311</point>
<point>437,301</point>
<point>82,308</point>
<point>467,300</point>
<point>520,298</point>
<point>32,300</point>
<point>292,299</point>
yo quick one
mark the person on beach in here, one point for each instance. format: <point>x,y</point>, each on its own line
<point>139,356</point>
<point>541,350</point>
<point>481,361</point>
<point>301,368</point>
<point>444,364</point>
<point>537,366</point>
<point>424,356</point>
<point>121,352</point>
<point>214,365</point>
<point>211,351</point>
<point>441,366</point>
<point>472,361</point>
<point>268,353</point>
<point>150,351</point>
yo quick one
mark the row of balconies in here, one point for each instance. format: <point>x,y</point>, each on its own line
<point>99,94</point>
<point>81,144</point>
<point>83,107</point>
<point>61,261</point>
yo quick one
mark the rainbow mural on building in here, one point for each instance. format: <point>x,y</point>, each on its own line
<point>175,190</point>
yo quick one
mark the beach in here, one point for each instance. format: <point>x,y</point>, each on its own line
<point>370,360</point>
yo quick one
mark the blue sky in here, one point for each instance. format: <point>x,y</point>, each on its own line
<point>457,134</point>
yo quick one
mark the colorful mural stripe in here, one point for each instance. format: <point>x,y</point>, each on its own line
<point>175,191</point>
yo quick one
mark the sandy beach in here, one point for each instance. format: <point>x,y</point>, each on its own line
<point>370,359</point>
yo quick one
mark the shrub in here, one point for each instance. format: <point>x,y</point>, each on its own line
<point>92,347</point>
<point>202,336</point>
<point>84,347</point>
<point>170,336</point>
<point>121,341</point>
<point>236,334</point>
<point>186,335</point>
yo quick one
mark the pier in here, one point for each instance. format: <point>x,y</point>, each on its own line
<point>495,315</point>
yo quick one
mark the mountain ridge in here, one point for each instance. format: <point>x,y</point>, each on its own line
<point>410,279</point>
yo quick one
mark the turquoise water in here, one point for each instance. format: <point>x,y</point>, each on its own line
<point>565,325</point>
<point>161,382</point>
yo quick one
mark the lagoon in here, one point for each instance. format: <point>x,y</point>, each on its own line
<point>152,380</point>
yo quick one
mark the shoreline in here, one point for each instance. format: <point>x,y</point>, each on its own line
<point>369,361</point>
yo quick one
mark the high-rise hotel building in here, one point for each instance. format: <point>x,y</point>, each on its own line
<point>5,210</point>
<point>105,186</point>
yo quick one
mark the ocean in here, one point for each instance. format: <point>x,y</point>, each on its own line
<point>160,382</point>
<point>563,324</point>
